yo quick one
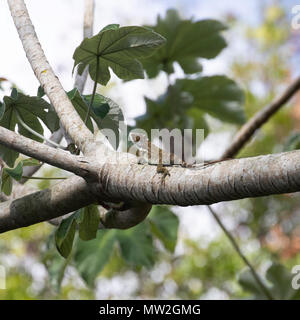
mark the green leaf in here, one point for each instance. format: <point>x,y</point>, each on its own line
<point>2,109</point>
<point>40,92</point>
<point>80,106</point>
<point>90,257</point>
<point>248,282</point>
<point>281,278</point>
<point>8,155</point>
<point>187,41</point>
<point>172,110</point>
<point>281,283</point>
<point>164,224</point>
<point>168,111</point>
<point>14,94</point>
<point>89,222</point>
<point>30,109</point>
<point>30,162</point>
<point>137,245</point>
<point>104,111</point>
<point>217,95</point>
<point>198,121</point>
<point>100,105</point>
<point>6,182</point>
<point>64,235</point>
<point>15,173</point>
<point>112,26</point>
<point>54,263</point>
<point>118,49</point>
<point>293,142</point>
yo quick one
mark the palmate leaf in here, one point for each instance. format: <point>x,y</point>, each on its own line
<point>186,42</point>
<point>118,49</point>
<point>219,96</point>
<point>30,110</point>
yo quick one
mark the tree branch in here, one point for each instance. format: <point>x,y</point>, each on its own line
<point>30,171</point>
<point>236,247</point>
<point>56,157</point>
<point>261,117</point>
<point>64,197</point>
<point>128,182</point>
<point>88,21</point>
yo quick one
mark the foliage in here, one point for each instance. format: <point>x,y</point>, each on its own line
<point>186,42</point>
<point>117,48</point>
<point>280,279</point>
<point>150,249</point>
<point>19,108</point>
<point>14,173</point>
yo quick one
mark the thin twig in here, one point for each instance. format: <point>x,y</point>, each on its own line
<point>36,133</point>
<point>240,253</point>
<point>88,21</point>
<point>44,178</point>
<point>261,117</point>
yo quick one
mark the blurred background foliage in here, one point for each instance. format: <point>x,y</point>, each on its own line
<point>159,259</point>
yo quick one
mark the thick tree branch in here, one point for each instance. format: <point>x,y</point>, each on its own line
<point>44,205</point>
<point>222,181</point>
<point>70,119</point>
<point>261,117</point>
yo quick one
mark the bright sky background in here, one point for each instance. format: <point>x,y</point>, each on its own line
<point>58,24</point>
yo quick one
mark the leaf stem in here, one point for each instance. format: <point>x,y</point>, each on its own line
<point>94,92</point>
<point>263,288</point>
<point>44,178</point>
<point>36,133</point>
